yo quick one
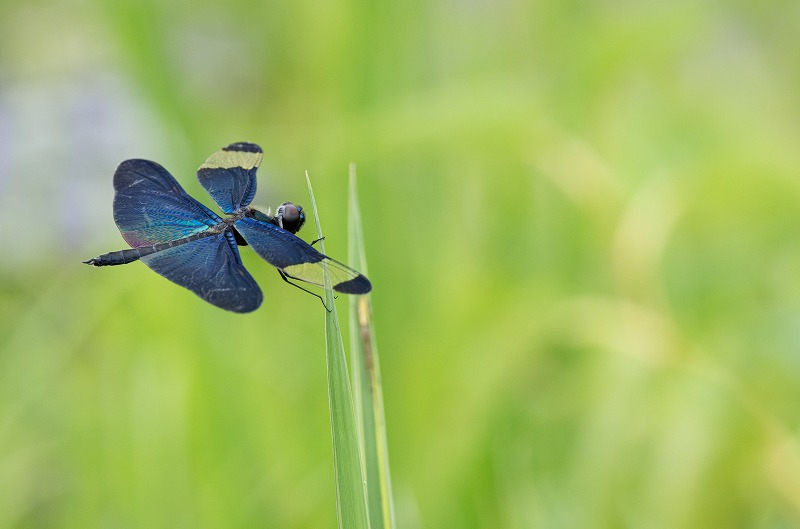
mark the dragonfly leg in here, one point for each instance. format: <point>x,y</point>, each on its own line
<point>315,241</point>
<point>286,278</point>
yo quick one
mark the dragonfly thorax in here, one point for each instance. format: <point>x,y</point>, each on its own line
<point>288,216</point>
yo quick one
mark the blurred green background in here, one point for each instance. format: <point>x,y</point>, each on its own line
<point>581,223</point>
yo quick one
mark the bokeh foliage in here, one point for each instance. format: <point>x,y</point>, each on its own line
<point>580,221</point>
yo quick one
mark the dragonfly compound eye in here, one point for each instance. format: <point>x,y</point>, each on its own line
<point>290,217</point>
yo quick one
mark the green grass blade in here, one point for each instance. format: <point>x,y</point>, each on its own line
<point>367,392</point>
<point>351,504</point>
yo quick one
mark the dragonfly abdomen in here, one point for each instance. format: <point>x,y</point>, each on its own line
<point>130,255</point>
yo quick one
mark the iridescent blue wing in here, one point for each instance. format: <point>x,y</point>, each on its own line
<point>150,206</point>
<point>298,259</point>
<point>229,175</point>
<point>211,268</point>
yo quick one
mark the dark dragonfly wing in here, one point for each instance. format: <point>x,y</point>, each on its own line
<point>211,268</point>
<point>150,206</point>
<point>298,259</point>
<point>229,175</point>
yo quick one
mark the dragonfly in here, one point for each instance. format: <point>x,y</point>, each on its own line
<point>184,241</point>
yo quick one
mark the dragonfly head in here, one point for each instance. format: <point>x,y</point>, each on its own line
<point>290,217</point>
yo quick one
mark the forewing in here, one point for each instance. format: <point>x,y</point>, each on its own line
<point>151,207</point>
<point>298,259</point>
<point>229,175</point>
<point>211,268</point>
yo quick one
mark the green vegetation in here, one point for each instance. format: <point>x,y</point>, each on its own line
<point>367,387</point>
<point>581,227</point>
<point>348,461</point>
